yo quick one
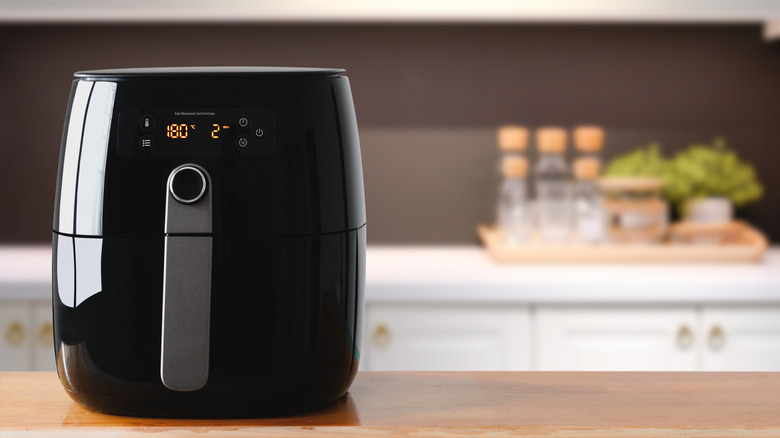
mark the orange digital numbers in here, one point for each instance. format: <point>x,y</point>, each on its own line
<point>177,131</point>
<point>215,130</point>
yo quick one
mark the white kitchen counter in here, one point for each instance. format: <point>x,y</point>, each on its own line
<point>25,273</point>
<point>466,274</point>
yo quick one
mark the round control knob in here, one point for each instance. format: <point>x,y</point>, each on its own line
<point>188,184</point>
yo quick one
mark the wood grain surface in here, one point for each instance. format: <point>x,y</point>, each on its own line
<point>449,404</point>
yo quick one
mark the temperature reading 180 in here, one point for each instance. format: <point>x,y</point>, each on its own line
<point>177,130</point>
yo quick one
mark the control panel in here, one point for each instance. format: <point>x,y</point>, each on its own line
<point>195,132</point>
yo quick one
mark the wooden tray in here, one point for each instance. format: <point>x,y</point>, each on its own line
<point>748,248</point>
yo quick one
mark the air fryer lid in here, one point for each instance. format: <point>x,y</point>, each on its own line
<point>208,72</point>
<point>284,162</point>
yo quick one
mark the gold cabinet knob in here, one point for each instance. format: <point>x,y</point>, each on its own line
<point>381,336</point>
<point>717,338</point>
<point>15,334</point>
<point>684,337</point>
<point>46,335</point>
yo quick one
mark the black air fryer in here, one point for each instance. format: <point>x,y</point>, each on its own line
<point>209,241</point>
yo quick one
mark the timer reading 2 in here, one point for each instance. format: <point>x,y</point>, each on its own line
<point>182,130</point>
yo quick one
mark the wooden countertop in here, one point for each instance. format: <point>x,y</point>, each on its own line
<point>449,404</point>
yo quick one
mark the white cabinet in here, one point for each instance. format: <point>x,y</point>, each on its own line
<point>616,339</point>
<point>15,345</point>
<point>648,338</point>
<point>403,337</point>
<point>492,337</point>
<point>26,342</point>
<point>43,344</point>
<point>740,338</point>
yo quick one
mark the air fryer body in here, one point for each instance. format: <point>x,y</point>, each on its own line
<point>246,301</point>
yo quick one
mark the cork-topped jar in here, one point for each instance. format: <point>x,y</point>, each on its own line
<point>635,211</point>
<point>553,185</point>
<point>589,204</point>
<point>515,218</point>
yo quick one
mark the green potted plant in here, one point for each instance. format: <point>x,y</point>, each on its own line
<point>703,181</point>
<point>707,181</point>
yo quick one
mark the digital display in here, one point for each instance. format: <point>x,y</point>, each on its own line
<point>182,130</point>
<point>165,133</point>
<point>198,128</point>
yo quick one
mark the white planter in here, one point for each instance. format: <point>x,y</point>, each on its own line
<point>714,209</point>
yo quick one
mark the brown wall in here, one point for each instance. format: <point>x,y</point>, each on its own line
<point>428,98</point>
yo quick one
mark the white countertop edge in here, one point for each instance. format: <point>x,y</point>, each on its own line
<point>561,294</point>
<point>442,274</point>
<point>464,294</point>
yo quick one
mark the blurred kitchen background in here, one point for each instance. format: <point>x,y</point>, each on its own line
<point>432,83</point>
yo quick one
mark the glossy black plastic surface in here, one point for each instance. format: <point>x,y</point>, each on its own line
<point>287,235</point>
<point>310,184</point>
<point>285,312</point>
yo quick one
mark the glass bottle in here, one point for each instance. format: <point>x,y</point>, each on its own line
<point>553,186</point>
<point>589,214</point>
<point>589,210</point>
<point>515,220</point>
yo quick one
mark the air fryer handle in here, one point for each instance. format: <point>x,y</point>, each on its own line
<point>184,360</point>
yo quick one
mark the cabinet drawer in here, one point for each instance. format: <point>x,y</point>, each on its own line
<point>616,339</point>
<point>15,334</point>
<point>741,338</point>
<point>446,338</point>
